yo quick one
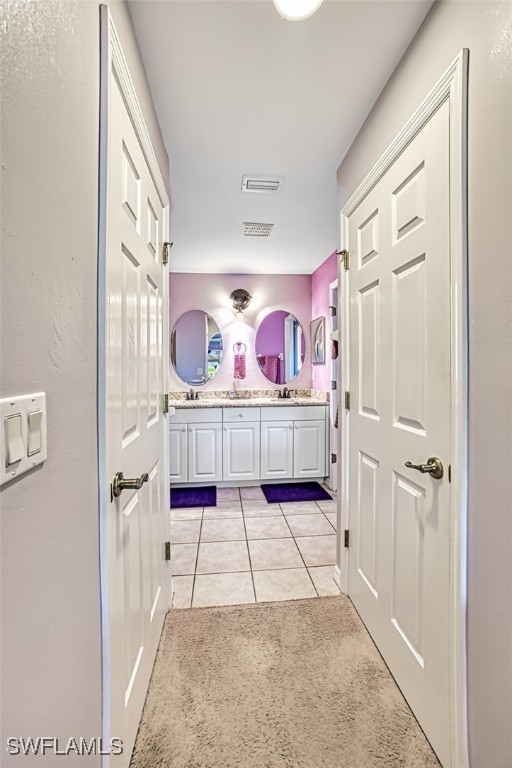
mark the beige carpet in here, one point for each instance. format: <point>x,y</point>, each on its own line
<point>275,685</point>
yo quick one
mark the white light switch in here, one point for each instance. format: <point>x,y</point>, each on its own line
<point>14,450</point>
<point>23,442</point>
<point>35,421</point>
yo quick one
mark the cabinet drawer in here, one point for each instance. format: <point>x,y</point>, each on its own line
<point>241,414</point>
<point>196,416</point>
<point>293,413</point>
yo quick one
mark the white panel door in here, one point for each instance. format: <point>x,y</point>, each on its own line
<point>400,411</point>
<point>136,428</point>
<point>178,453</point>
<point>276,449</point>
<point>241,451</point>
<point>204,453</point>
<point>309,449</point>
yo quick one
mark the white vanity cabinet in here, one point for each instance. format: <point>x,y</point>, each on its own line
<point>204,453</point>
<point>309,448</point>
<point>178,453</point>
<point>241,451</point>
<point>293,442</point>
<point>276,450</point>
<point>195,446</point>
<point>243,444</point>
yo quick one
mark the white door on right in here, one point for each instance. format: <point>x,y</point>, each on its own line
<point>399,243</point>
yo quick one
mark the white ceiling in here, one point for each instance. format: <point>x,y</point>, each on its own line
<point>238,91</point>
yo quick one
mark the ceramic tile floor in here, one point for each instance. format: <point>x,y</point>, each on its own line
<point>245,550</point>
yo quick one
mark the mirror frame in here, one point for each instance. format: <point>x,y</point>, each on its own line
<point>314,327</point>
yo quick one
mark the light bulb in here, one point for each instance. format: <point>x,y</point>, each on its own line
<point>297,10</point>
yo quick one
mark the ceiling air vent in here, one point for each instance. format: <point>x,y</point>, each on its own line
<point>251,229</point>
<point>262,184</point>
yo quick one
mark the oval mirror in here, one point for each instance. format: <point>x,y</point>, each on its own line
<point>280,347</point>
<point>196,347</point>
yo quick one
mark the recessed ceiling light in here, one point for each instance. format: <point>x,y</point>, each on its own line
<point>297,10</point>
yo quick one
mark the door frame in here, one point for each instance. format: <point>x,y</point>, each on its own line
<point>334,373</point>
<point>451,87</point>
<point>112,59</point>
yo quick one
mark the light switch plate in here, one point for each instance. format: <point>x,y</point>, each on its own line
<point>22,405</point>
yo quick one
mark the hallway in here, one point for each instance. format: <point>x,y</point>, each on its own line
<point>295,684</point>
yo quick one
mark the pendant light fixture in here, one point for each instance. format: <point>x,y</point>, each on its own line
<point>241,300</point>
<point>297,10</point>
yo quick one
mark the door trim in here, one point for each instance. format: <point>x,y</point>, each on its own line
<point>451,87</point>
<point>112,59</point>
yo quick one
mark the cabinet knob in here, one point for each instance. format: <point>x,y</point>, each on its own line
<point>296,426</point>
<point>290,426</point>
<point>183,429</point>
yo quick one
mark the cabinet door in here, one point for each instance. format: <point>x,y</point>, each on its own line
<point>241,451</point>
<point>277,449</point>
<point>309,449</point>
<point>178,453</point>
<point>204,452</point>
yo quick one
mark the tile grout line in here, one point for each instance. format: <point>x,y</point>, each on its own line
<point>197,559</point>
<point>335,531</point>
<point>260,570</point>
<point>248,551</point>
<point>302,558</point>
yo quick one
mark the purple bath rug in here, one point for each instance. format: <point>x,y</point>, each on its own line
<point>280,493</point>
<point>194,497</point>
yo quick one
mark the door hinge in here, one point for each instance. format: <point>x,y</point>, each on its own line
<point>347,401</point>
<point>334,458</point>
<point>449,473</point>
<point>165,406</point>
<point>334,385</point>
<point>346,537</point>
<point>345,257</point>
<point>165,252</point>
<point>167,547</point>
<point>333,311</point>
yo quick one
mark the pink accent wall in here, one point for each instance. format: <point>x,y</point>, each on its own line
<point>320,279</point>
<point>210,292</point>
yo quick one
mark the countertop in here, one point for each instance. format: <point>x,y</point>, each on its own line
<point>256,402</point>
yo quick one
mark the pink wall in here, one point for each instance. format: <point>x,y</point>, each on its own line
<point>210,292</point>
<point>320,279</point>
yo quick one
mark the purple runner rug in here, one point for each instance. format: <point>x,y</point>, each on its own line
<point>194,497</point>
<point>287,492</point>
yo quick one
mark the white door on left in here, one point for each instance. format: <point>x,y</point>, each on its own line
<point>135,571</point>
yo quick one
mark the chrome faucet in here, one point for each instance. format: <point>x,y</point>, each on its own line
<point>286,393</point>
<point>190,395</point>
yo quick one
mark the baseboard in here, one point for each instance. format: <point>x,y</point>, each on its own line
<point>337,576</point>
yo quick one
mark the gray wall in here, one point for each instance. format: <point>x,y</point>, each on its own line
<point>486,29</point>
<point>50,591</point>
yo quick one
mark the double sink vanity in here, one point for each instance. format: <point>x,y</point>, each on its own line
<point>225,438</point>
<point>240,441</point>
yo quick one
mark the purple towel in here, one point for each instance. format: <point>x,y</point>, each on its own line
<point>239,366</point>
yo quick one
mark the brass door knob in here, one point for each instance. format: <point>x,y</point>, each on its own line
<point>120,483</point>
